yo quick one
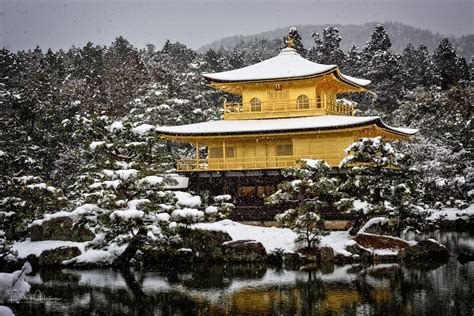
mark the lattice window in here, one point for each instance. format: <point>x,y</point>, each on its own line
<point>302,102</point>
<point>255,105</point>
<point>217,152</point>
<point>284,150</point>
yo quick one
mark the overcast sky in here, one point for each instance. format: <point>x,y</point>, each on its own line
<point>62,23</point>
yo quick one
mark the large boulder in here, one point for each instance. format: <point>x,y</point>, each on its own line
<point>244,251</point>
<point>371,241</point>
<point>60,228</point>
<point>426,249</point>
<point>205,244</point>
<point>55,256</point>
<point>326,254</point>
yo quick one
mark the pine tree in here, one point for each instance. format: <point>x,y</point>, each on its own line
<point>382,66</point>
<point>125,180</point>
<point>24,199</point>
<point>442,150</point>
<point>353,62</point>
<point>310,191</point>
<point>380,180</point>
<point>450,68</point>
<point>327,50</point>
<point>418,68</point>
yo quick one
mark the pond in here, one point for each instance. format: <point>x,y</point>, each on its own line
<point>380,289</point>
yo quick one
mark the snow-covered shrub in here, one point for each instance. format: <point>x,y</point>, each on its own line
<point>220,209</point>
<point>310,191</point>
<point>27,198</point>
<point>380,179</point>
<point>125,179</point>
<point>13,286</point>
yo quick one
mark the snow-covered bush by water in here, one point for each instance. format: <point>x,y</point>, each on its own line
<point>13,286</point>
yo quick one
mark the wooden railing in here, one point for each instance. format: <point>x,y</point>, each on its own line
<point>235,109</point>
<point>340,109</point>
<point>245,163</point>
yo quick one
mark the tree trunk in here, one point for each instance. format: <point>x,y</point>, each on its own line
<point>358,223</point>
<point>124,259</point>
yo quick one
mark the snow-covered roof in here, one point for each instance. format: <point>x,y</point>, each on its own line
<point>322,122</point>
<point>288,64</point>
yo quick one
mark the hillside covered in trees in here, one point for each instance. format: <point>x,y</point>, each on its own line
<point>400,36</point>
<point>69,116</point>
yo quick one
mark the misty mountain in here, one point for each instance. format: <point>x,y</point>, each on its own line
<point>400,35</point>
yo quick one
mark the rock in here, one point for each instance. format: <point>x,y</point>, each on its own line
<point>380,241</point>
<point>310,255</point>
<point>425,249</point>
<point>244,251</point>
<point>60,228</point>
<point>56,256</point>
<point>359,251</point>
<point>327,254</point>
<point>205,244</point>
<point>292,260</point>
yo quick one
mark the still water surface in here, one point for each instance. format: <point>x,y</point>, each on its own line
<point>381,289</point>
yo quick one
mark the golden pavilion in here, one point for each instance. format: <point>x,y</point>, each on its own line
<point>289,110</point>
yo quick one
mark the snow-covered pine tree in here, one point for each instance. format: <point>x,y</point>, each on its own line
<point>382,66</point>
<point>125,180</point>
<point>353,62</point>
<point>442,150</point>
<point>380,179</point>
<point>123,78</point>
<point>310,191</point>
<point>327,50</point>
<point>418,68</point>
<point>24,199</point>
<point>451,68</point>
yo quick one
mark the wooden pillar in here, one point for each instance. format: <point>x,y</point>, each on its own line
<point>223,154</point>
<point>197,155</point>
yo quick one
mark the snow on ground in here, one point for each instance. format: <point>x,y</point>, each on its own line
<point>275,237</point>
<point>338,241</point>
<point>451,214</point>
<point>86,209</point>
<point>27,247</point>
<point>270,237</point>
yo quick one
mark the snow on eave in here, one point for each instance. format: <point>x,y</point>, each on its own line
<point>282,125</point>
<point>399,130</point>
<point>288,65</point>
<point>354,81</point>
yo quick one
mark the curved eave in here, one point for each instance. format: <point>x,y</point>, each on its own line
<point>402,132</point>
<point>234,85</point>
